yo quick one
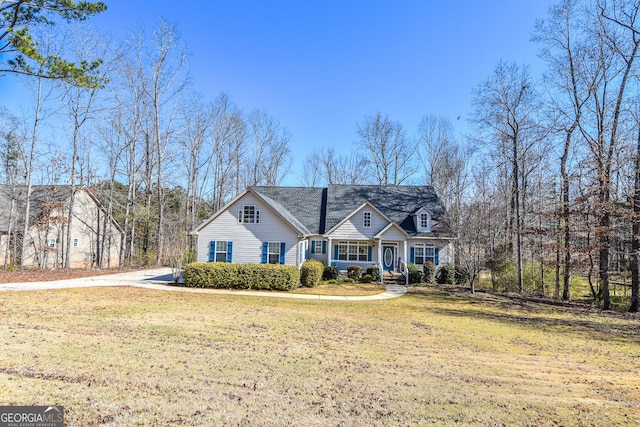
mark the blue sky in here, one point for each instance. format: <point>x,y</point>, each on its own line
<point>321,67</point>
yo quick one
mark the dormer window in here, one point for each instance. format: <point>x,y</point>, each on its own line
<point>366,219</point>
<point>423,221</point>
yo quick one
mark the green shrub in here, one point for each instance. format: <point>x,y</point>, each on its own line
<point>447,274</point>
<point>374,272</point>
<point>429,272</point>
<point>332,281</point>
<point>415,275</point>
<point>462,275</point>
<point>348,280</point>
<point>241,276</point>
<point>367,278</point>
<point>354,272</point>
<point>330,273</point>
<point>311,272</point>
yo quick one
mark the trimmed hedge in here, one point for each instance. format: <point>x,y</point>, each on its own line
<point>330,273</point>
<point>415,275</point>
<point>429,272</point>
<point>354,272</point>
<point>241,276</point>
<point>311,273</point>
<point>367,278</point>
<point>446,274</point>
<point>374,272</point>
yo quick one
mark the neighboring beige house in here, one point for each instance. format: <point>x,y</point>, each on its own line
<point>95,240</point>
<point>385,226</point>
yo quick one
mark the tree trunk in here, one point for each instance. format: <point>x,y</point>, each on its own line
<point>635,227</point>
<point>29,172</point>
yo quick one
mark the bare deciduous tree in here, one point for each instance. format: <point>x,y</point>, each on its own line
<point>388,150</point>
<point>504,111</point>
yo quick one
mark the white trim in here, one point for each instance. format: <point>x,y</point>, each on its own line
<point>365,219</point>
<point>348,217</point>
<point>390,225</point>
<point>223,209</point>
<point>418,220</point>
<point>226,208</point>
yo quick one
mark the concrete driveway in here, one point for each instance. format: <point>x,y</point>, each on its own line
<point>160,279</point>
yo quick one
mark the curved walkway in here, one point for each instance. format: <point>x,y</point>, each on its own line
<point>160,278</point>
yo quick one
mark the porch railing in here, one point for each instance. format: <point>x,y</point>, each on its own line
<point>402,268</point>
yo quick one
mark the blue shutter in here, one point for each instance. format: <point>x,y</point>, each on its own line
<point>436,260</point>
<point>313,246</point>
<point>282,249</point>
<point>369,253</point>
<point>324,247</point>
<point>412,255</point>
<point>212,251</point>
<point>265,252</point>
<point>229,251</point>
<point>335,251</point>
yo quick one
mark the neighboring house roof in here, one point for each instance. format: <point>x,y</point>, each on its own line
<point>319,210</point>
<point>40,195</point>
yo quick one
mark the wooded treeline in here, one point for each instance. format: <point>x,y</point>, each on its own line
<point>545,187</point>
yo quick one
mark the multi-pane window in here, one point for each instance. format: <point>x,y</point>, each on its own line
<point>353,251</point>
<point>424,253</point>
<point>75,243</point>
<point>221,251</point>
<point>430,253</point>
<point>424,220</point>
<point>418,254</point>
<point>249,215</point>
<point>366,219</point>
<point>317,246</point>
<point>274,253</point>
<point>342,251</point>
<point>52,243</point>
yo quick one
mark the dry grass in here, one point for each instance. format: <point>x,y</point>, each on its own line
<point>131,356</point>
<point>37,275</point>
<point>343,289</point>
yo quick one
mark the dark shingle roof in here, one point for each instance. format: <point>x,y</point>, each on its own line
<point>321,209</point>
<point>40,194</point>
<point>302,205</point>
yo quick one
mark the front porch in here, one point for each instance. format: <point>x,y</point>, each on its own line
<point>386,255</point>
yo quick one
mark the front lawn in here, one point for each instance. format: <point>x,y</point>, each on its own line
<point>342,289</point>
<point>132,356</point>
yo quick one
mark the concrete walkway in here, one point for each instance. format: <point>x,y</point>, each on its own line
<point>160,278</point>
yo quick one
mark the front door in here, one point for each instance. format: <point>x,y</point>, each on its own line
<point>388,257</point>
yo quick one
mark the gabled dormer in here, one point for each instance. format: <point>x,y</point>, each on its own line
<point>422,220</point>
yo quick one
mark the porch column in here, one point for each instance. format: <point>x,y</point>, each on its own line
<point>329,251</point>
<point>406,260</point>
<point>380,260</point>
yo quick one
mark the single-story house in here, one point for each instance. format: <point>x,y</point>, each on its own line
<point>340,225</point>
<point>95,238</point>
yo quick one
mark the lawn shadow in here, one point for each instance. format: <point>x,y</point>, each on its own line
<point>530,312</point>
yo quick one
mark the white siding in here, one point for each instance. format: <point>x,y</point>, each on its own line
<point>393,234</point>
<point>446,252</point>
<point>319,256</point>
<point>248,238</point>
<point>354,229</point>
<point>445,249</point>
